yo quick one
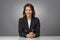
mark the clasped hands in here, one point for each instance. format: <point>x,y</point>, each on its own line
<point>30,35</point>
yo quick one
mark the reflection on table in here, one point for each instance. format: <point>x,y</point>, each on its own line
<point>22,38</point>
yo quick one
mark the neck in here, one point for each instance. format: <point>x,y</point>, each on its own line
<point>28,18</point>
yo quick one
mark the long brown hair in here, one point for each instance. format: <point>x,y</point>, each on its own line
<point>32,7</point>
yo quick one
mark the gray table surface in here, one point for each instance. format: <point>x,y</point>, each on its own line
<point>22,38</point>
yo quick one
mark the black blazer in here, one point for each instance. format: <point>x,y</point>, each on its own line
<point>24,29</point>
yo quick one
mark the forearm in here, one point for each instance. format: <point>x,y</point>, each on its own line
<point>22,34</point>
<point>37,34</point>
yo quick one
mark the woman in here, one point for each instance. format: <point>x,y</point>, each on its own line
<point>29,25</point>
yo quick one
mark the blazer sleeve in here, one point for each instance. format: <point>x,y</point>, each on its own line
<point>21,32</point>
<point>37,30</point>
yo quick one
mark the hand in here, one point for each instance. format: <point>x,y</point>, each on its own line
<point>30,35</point>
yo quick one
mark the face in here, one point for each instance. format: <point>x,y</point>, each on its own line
<point>28,11</point>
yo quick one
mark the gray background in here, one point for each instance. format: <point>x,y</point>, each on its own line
<point>48,11</point>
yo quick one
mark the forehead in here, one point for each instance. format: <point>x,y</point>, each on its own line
<point>28,7</point>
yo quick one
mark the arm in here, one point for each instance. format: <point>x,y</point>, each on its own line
<point>37,30</point>
<point>21,32</point>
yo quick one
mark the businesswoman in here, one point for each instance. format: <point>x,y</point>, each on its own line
<point>29,25</point>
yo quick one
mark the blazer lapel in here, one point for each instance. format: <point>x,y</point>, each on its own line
<point>26,23</point>
<point>32,23</point>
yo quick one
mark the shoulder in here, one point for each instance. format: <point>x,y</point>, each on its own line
<point>20,19</point>
<point>36,19</point>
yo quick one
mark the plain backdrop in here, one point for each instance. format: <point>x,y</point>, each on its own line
<point>48,11</point>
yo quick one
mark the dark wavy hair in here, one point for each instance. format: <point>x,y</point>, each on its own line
<point>32,7</point>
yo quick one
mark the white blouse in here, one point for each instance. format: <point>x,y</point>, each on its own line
<point>29,22</point>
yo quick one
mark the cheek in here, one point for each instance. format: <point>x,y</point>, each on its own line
<point>31,12</point>
<point>26,11</point>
